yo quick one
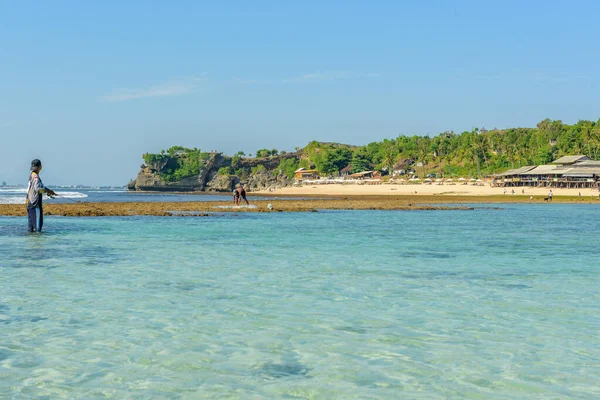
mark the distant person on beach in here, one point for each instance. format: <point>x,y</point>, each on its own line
<point>504,191</point>
<point>513,191</point>
<point>531,198</point>
<point>35,190</point>
<point>550,195</point>
<point>238,193</point>
<point>523,191</point>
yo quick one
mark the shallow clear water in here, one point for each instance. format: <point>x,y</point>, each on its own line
<point>17,196</point>
<point>482,304</point>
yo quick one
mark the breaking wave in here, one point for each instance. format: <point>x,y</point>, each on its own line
<point>8,196</point>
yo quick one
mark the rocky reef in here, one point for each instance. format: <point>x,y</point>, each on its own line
<point>187,170</point>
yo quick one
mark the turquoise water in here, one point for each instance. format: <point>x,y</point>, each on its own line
<point>488,304</point>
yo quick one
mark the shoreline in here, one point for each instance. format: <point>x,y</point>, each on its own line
<point>418,190</point>
<point>285,202</point>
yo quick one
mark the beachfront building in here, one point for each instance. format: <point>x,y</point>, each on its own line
<point>367,175</point>
<point>306,174</point>
<point>572,172</point>
<point>402,167</point>
<point>346,170</point>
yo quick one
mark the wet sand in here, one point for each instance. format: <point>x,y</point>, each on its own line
<point>311,204</point>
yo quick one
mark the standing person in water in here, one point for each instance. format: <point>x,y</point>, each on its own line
<point>35,190</point>
<point>239,192</point>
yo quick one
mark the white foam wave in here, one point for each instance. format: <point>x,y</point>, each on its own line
<point>21,198</point>
<point>14,190</point>
<point>71,195</point>
<point>12,199</point>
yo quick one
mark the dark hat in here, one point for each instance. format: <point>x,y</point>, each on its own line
<point>35,164</point>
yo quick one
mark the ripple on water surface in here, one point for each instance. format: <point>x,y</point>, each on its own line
<point>320,305</point>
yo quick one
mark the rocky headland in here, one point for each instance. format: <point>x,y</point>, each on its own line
<point>189,170</point>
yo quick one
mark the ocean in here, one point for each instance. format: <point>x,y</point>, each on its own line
<point>17,196</point>
<point>485,304</point>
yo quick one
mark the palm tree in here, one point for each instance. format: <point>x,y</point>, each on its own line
<point>389,159</point>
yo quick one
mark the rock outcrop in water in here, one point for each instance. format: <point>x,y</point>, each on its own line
<point>187,170</point>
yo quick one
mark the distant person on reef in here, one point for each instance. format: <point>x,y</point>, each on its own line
<point>238,193</point>
<point>35,190</point>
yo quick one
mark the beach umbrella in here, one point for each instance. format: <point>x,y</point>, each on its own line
<point>461,179</point>
<point>472,180</point>
<point>439,180</point>
<point>450,180</point>
<point>427,180</point>
<point>479,180</point>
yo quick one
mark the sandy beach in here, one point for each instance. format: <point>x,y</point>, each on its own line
<point>427,190</point>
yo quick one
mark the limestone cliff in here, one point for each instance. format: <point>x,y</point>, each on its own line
<point>213,172</point>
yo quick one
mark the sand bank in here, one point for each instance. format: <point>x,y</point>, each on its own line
<point>426,190</point>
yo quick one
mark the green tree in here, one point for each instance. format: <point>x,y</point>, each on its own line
<point>224,171</point>
<point>360,162</point>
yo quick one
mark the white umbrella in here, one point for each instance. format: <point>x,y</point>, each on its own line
<point>472,180</point>
<point>461,179</point>
<point>427,180</point>
<point>479,180</point>
<point>439,180</point>
<point>450,180</point>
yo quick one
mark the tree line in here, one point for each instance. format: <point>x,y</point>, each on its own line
<point>477,152</point>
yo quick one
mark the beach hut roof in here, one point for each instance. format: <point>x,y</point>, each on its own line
<point>545,170</point>
<point>571,159</point>
<point>588,163</point>
<point>402,164</point>
<point>362,173</point>
<point>582,172</point>
<point>517,171</point>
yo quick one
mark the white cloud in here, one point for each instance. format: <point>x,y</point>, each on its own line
<point>166,89</point>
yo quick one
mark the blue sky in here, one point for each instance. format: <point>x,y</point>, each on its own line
<point>89,86</point>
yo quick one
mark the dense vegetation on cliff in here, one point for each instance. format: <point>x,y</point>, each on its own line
<point>475,153</point>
